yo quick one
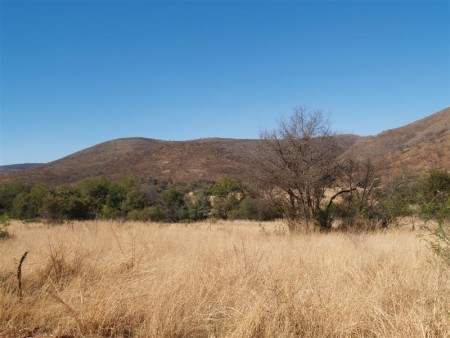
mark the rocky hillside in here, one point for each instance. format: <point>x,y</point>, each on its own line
<point>206,159</point>
<point>17,167</point>
<point>414,148</point>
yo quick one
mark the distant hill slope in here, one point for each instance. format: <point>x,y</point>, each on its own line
<point>17,167</point>
<point>416,147</point>
<point>202,159</point>
<point>205,159</point>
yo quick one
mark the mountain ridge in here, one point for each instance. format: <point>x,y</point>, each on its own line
<point>418,146</point>
<point>415,147</point>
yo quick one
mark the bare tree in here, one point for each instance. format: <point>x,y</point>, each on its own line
<point>362,181</point>
<point>297,164</point>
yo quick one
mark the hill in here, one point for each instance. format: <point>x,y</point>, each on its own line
<point>205,159</point>
<point>17,167</point>
<point>416,147</point>
<point>149,159</point>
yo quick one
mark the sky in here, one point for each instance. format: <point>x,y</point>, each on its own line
<point>77,73</point>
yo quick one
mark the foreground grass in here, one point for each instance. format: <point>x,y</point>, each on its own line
<point>215,280</point>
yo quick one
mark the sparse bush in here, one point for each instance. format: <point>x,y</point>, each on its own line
<point>374,204</point>
<point>4,223</point>
<point>147,214</point>
<point>434,201</point>
<point>391,207</point>
<point>257,209</point>
<point>434,192</point>
<point>440,239</point>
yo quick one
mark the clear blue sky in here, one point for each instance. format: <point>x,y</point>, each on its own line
<point>77,73</point>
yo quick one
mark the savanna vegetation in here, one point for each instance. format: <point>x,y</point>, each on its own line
<point>299,176</point>
<point>129,199</point>
<point>220,279</point>
<point>365,204</point>
<point>201,259</point>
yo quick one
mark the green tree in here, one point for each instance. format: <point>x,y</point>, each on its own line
<point>135,199</point>
<point>74,204</point>
<point>227,195</point>
<point>28,204</point>
<point>8,193</point>
<point>53,209</point>
<point>199,207</point>
<point>36,197</point>
<point>95,190</point>
<point>174,205</point>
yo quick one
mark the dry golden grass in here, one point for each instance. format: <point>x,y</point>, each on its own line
<point>219,280</point>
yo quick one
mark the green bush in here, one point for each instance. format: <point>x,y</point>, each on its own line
<point>226,186</point>
<point>8,193</point>
<point>227,195</point>
<point>440,239</point>
<point>434,201</point>
<point>433,196</point>
<point>173,205</point>
<point>382,208</point>
<point>53,209</point>
<point>127,198</point>
<point>199,206</point>
<point>257,209</point>
<point>147,214</point>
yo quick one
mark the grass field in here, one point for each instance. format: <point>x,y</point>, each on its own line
<point>226,279</point>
